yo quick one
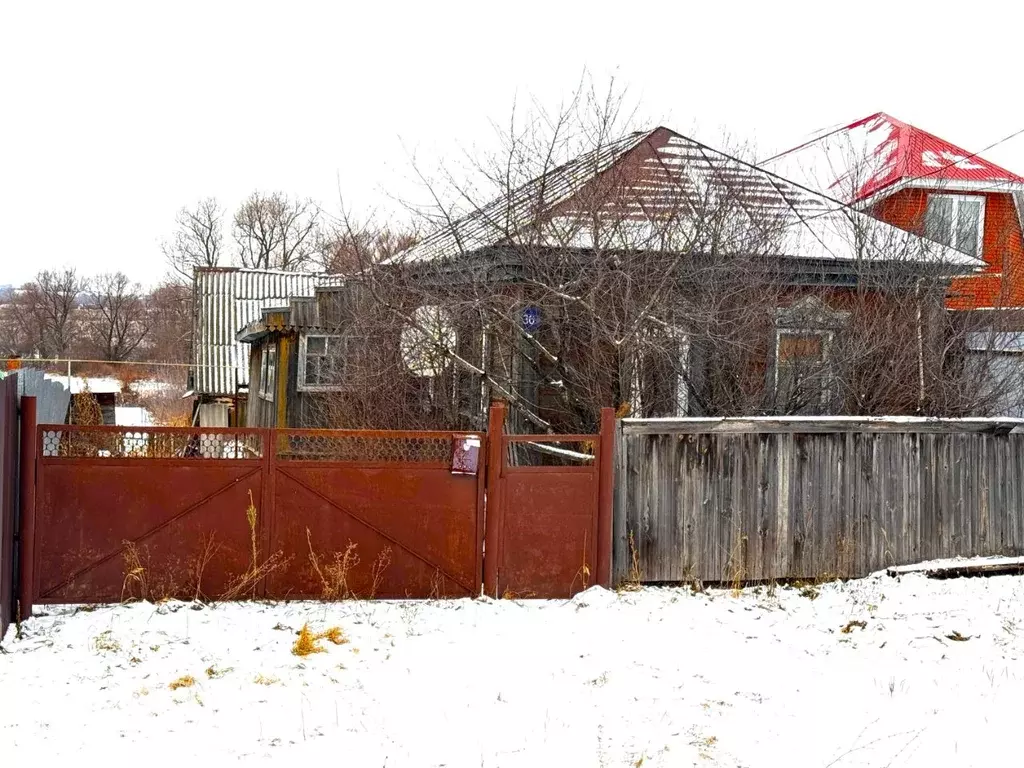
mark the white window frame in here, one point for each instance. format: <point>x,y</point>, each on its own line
<point>268,363</point>
<point>682,383</point>
<point>682,388</point>
<point>826,355</point>
<point>302,386</point>
<point>954,222</point>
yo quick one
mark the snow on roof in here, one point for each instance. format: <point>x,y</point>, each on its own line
<point>108,385</point>
<point>97,385</point>
<point>879,153</point>
<point>660,174</point>
<point>130,416</point>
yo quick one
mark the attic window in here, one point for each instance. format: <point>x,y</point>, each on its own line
<point>322,362</point>
<point>956,221</point>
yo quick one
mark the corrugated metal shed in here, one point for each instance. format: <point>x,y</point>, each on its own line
<point>646,179</point>
<point>226,299</point>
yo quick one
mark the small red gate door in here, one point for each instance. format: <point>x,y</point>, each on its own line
<point>548,518</point>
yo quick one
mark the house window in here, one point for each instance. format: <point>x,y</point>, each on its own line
<point>660,384</point>
<point>802,378</point>
<point>956,221</point>
<point>322,362</point>
<point>268,371</point>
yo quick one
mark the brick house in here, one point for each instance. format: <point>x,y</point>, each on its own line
<point>914,180</point>
<point>919,182</point>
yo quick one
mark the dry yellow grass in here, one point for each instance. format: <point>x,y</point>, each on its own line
<point>185,681</point>
<point>105,642</point>
<point>262,679</point>
<point>134,574</point>
<point>308,642</point>
<point>258,570</point>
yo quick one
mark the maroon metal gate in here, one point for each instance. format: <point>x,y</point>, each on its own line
<point>377,514</point>
<point>172,512</point>
<point>223,513</point>
<point>548,523</point>
<point>8,494</point>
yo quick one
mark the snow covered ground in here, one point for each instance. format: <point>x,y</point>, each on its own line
<point>659,677</point>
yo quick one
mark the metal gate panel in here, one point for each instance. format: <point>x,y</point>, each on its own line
<point>549,536</point>
<point>549,520</point>
<point>129,513</point>
<point>413,527</point>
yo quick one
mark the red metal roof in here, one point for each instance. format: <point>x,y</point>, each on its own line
<point>906,152</point>
<point>887,152</point>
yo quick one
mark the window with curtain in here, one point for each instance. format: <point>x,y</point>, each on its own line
<point>956,221</point>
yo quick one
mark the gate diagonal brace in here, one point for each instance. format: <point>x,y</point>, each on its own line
<point>375,529</point>
<point>120,550</point>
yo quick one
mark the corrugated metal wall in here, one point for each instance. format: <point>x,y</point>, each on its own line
<point>804,499</point>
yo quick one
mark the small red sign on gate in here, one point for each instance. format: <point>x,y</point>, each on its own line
<point>465,454</point>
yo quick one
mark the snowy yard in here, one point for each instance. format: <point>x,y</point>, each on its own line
<point>649,678</point>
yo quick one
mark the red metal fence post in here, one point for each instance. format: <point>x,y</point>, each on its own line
<point>493,513</point>
<point>268,502</point>
<point>27,537</point>
<point>606,486</point>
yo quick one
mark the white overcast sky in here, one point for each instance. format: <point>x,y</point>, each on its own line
<point>114,115</point>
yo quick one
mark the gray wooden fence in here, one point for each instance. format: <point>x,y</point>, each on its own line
<point>760,499</point>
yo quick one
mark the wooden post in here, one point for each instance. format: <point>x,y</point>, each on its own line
<point>493,517</point>
<point>27,501</point>
<point>606,485</point>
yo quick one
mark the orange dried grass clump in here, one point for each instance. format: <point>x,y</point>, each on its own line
<point>185,681</point>
<point>308,642</point>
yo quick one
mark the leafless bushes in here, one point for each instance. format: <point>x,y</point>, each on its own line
<point>336,572</point>
<point>653,274</point>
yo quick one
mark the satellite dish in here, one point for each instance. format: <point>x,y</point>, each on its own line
<point>425,342</point>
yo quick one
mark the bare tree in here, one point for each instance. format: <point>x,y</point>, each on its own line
<point>198,239</point>
<point>120,320</point>
<point>169,309</point>
<point>273,231</point>
<point>45,312</point>
<point>346,247</point>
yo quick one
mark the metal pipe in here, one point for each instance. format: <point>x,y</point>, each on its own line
<point>493,517</point>
<point>606,485</point>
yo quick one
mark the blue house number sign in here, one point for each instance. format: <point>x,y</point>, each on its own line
<point>531,318</point>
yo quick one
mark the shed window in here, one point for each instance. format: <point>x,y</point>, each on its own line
<point>322,362</point>
<point>956,221</point>
<point>268,371</point>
